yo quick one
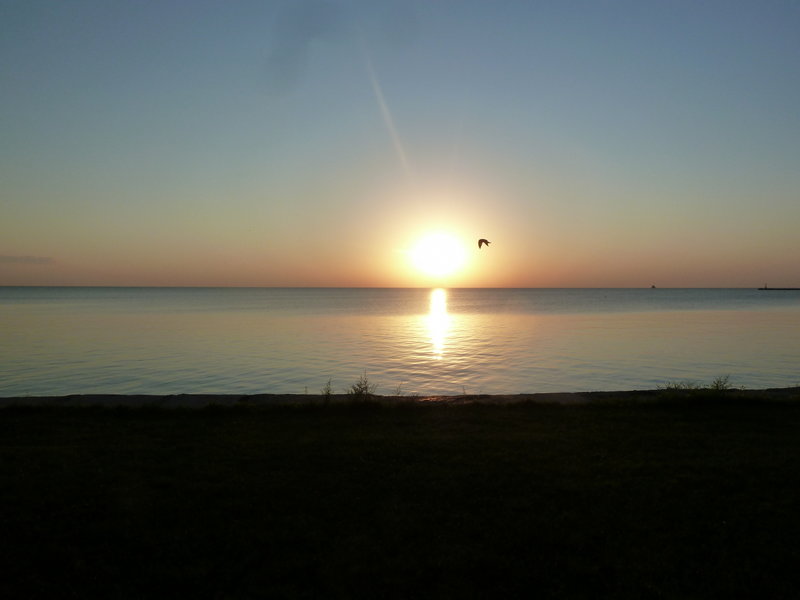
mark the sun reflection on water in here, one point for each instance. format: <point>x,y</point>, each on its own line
<point>438,321</point>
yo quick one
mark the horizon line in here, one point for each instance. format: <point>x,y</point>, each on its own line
<point>386,287</point>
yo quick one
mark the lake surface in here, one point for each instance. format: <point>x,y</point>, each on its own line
<point>56,341</point>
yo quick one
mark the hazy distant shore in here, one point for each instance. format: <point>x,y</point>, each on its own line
<point>206,400</point>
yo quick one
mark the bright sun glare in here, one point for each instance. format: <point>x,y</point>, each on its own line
<point>438,254</point>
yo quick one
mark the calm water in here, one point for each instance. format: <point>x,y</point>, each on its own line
<point>255,340</point>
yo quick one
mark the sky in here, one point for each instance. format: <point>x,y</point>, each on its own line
<point>316,142</point>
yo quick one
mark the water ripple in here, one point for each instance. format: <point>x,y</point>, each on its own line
<point>474,341</point>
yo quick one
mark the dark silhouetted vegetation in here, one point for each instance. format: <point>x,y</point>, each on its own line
<point>327,390</point>
<point>362,389</point>
<point>624,500</point>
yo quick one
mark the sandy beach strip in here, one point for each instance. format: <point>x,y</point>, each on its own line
<point>229,400</point>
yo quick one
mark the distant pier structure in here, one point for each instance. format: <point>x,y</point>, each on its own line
<point>766,287</point>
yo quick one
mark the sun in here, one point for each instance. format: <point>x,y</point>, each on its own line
<point>438,254</point>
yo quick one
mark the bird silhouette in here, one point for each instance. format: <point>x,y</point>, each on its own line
<point>482,241</point>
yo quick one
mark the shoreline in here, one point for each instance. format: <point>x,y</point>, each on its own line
<point>197,401</point>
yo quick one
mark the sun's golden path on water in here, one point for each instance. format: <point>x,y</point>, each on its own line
<point>438,321</point>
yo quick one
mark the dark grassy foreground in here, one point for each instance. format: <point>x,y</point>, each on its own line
<point>626,500</point>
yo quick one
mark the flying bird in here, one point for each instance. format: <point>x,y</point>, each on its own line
<point>482,241</point>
